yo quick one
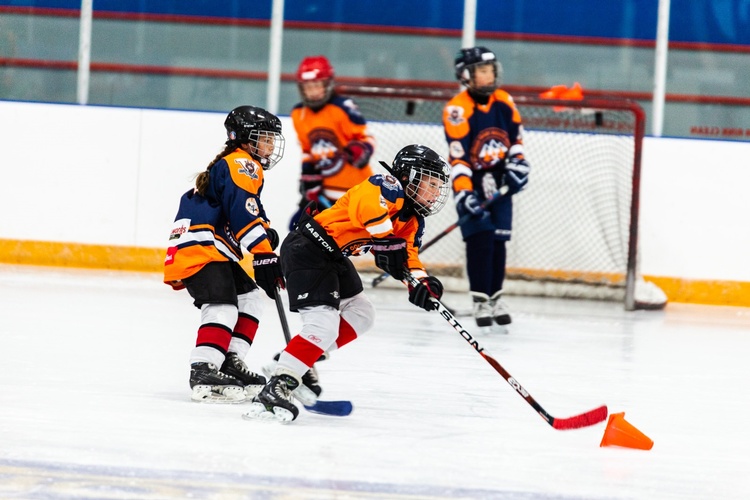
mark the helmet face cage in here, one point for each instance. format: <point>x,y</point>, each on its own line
<point>428,190</point>
<point>267,147</point>
<point>259,128</point>
<point>315,69</point>
<point>424,175</point>
<point>467,61</point>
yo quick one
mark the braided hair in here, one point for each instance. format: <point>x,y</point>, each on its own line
<point>201,180</point>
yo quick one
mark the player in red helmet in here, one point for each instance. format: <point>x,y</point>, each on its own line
<point>315,81</point>
<point>336,147</point>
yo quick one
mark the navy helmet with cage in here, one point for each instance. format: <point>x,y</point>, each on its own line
<point>424,176</point>
<point>259,128</point>
<point>466,62</point>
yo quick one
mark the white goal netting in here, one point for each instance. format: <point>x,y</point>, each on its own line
<point>575,225</point>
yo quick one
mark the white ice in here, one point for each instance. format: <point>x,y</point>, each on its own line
<point>94,401</point>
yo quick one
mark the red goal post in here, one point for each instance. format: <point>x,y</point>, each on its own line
<point>575,228</point>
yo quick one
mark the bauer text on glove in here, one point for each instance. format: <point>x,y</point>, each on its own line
<point>268,272</point>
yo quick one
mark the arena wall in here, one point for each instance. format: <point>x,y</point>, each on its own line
<point>89,186</point>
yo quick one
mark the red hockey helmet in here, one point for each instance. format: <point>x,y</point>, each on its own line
<point>315,69</point>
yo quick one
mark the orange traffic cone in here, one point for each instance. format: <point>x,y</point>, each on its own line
<point>574,93</point>
<point>620,432</point>
<point>554,92</point>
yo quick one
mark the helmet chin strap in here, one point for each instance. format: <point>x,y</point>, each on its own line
<point>480,96</point>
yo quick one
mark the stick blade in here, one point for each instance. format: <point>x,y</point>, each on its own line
<point>587,419</point>
<point>332,408</point>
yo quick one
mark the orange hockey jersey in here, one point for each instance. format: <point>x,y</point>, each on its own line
<point>371,210</point>
<point>323,134</point>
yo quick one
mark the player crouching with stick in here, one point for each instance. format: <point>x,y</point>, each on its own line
<point>385,215</point>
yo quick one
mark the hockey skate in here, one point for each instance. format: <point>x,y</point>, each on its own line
<point>275,402</point>
<point>212,386</point>
<point>310,382</point>
<point>499,310</point>
<point>235,367</point>
<point>482,310</point>
<point>309,390</point>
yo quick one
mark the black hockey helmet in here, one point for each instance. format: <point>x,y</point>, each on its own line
<point>467,61</point>
<point>424,176</point>
<point>259,128</point>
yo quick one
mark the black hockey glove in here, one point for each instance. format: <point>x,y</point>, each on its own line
<point>311,182</point>
<point>390,255</point>
<point>467,203</point>
<point>427,288</point>
<point>273,238</point>
<point>268,272</point>
<point>516,173</point>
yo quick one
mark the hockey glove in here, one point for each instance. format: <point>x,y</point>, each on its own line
<point>358,153</point>
<point>311,182</point>
<point>273,238</point>
<point>427,288</point>
<point>516,173</point>
<point>467,203</point>
<point>390,255</point>
<point>268,272</point>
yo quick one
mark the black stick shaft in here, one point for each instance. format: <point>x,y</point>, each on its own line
<point>282,315</point>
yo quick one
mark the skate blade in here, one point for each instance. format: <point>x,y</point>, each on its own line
<point>218,395</point>
<point>252,390</point>
<point>258,411</point>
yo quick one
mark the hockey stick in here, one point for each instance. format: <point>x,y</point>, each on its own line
<point>586,419</point>
<point>486,203</point>
<point>335,408</point>
<point>324,201</point>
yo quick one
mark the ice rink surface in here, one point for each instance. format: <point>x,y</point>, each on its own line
<point>94,401</point>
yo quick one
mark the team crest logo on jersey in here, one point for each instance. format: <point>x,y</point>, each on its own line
<point>489,148</point>
<point>324,145</point>
<point>251,205</point>
<point>455,115</point>
<point>356,247</point>
<point>247,167</point>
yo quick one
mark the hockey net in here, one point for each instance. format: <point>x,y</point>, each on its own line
<point>575,227</point>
